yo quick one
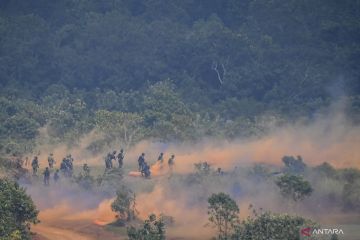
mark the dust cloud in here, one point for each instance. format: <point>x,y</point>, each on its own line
<point>329,138</point>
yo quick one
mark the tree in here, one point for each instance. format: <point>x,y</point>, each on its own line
<point>153,229</point>
<point>351,190</point>
<point>126,127</point>
<point>325,169</point>
<point>269,225</point>
<point>294,165</point>
<point>294,187</point>
<point>124,204</point>
<point>223,214</point>
<point>17,211</point>
<point>165,112</point>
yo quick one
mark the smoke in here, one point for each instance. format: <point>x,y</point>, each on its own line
<point>330,137</point>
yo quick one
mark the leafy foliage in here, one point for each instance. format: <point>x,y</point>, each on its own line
<point>118,125</point>
<point>267,225</point>
<point>223,214</point>
<point>124,204</point>
<point>17,211</point>
<point>183,70</point>
<point>153,229</point>
<point>294,165</point>
<point>294,187</point>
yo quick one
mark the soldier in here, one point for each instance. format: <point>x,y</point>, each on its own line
<point>68,166</point>
<point>141,161</point>
<point>171,162</point>
<point>35,165</point>
<point>161,158</point>
<point>71,159</point>
<point>64,167</point>
<point>146,170</point>
<point>86,169</point>
<point>112,157</point>
<point>51,161</point>
<point>46,176</point>
<point>120,158</point>
<point>56,175</point>
<point>108,161</point>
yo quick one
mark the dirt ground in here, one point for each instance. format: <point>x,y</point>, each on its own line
<point>72,230</point>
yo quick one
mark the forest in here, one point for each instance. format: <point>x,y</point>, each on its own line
<point>253,99</point>
<point>176,70</point>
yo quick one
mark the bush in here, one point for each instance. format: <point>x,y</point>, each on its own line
<point>294,165</point>
<point>17,211</point>
<point>124,204</point>
<point>294,187</point>
<point>268,225</point>
<point>153,229</point>
<point>223,214</point>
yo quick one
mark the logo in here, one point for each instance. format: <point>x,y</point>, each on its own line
<point>308,232</point>
<point>305,232</point>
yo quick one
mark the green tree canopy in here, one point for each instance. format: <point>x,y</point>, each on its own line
<point>294,187</point>
<point>17,211</point>
<point>223,214</point>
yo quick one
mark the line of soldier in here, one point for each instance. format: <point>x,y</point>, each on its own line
<point>112,156</point>
<point>66,167</point>
<point>144,167</point>
<point>171,161</point>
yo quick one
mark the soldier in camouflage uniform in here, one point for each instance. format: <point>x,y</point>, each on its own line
<point>46,176</point>
<point>86,169</point>
<point>51,161</point>
<point>56,175</point>
<point>161,158</point>
<point>120,158</point>
<point>35,165</point>
<point>141,161</point>
<point>146,170</point>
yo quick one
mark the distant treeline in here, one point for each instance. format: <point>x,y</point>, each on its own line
<point>175,69</point>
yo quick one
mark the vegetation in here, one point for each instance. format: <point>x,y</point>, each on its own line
<point>223,214</point>
<point>294,187</point>
<point>131,70</point>
<point>17,211</point>
<point>153,229</point>
<point>170,70</point>
<point>125,204</point>
<point>269,225</point>
<point>294,165</point>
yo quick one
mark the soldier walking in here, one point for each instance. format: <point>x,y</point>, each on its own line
<point>141,161</point>
<point>51,161</point>
<point>56,176</point>
<point>35,165</point>
<point>120,158</point>
<point>86,169</point>
<point>171,162</point>
<point>161,158</point>
<point>46,176</point>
